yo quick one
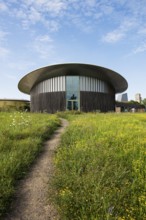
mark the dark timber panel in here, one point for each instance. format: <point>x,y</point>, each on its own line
<point>50,102</point>
<point>92,101</point>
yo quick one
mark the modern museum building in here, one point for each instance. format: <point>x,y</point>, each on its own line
<point>72,86</point>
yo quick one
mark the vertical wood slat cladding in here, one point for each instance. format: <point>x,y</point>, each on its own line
<point>50,102</point>
<point>92,101</point>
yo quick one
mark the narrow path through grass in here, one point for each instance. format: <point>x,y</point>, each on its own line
<point>32,192</point>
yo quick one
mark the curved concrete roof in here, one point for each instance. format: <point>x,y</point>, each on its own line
<point>113,78</point>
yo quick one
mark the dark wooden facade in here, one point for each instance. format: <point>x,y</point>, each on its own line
<point>50,102</point>
<point>93,101</point>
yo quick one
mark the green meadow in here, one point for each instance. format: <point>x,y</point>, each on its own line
<point>100,168</point>
<point>21,139</point>
<point>99,164</point>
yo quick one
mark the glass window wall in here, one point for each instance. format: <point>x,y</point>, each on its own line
<point>72,93</point>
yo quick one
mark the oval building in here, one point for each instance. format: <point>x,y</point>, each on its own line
<point>72,86</point>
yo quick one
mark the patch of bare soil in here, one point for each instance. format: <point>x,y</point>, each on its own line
<point>31,198</point>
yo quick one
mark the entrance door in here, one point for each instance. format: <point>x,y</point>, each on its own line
<point>72,93</point>
<point>72,105</point>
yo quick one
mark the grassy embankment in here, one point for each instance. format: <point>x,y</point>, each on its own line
<point>21,138</point>
<point>100,168</point>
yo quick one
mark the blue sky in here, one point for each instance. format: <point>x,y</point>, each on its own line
<point>37,33</point>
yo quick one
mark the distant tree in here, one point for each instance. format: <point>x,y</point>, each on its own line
<point>134,102</point>
<point>144,102</point>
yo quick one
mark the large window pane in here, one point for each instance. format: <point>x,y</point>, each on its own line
<point>72,92</point>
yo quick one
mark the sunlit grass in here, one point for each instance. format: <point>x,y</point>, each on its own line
<point>100,168</point>
<point>21,138</point>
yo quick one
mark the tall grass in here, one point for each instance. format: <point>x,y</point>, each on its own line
<point>100,168</point>
<point>21,137</point>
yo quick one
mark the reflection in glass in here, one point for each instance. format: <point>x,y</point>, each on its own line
<point>72,92</point>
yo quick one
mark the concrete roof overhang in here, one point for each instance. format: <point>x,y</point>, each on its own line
<point>118,82</point>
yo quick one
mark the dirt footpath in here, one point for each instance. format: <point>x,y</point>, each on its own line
<point>32,193</point>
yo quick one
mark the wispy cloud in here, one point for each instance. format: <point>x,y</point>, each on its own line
<point>4,51</point>
<point>3,34</point>
<point>113,37</point>
<point>55,7</point>
<point>140,49</point>
<point>3,6</point>
<point>142,31</point>
<point>129,18</point>
<point>86,15</point>
<point>28,17</point>
<point>44,46</point>
<point>91,3</point>
<point>54,14</point>
<point>119,33</point>
<point>32,12</point>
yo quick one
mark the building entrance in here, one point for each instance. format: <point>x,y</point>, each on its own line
<point>72,105</point>
<point>72,93</point>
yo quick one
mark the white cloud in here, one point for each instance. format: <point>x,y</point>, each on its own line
<point>44,46</point>
<point>32,12</point>
<point>34,15</point>
<point>142,31</point>
<point>44,38</point>
<point>3,6</point>
<point>113,37</point>
<point>107,9</point>
<point>55,7</point>
<point>3,34</point>
<point>20,14</point>
<point>91,3</point>
<point>4,52</point>
<point>119,33</point>
<point>140,49</point>
<point>29,17</point>
<point>53,14</point>
<point>52,25</point>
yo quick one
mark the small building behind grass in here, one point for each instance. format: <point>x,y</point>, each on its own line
<point>14,104</point>
<point>131,106</point>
